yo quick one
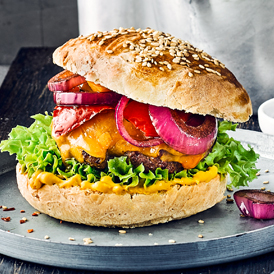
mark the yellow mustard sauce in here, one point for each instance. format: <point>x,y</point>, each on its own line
<point>106,185</point>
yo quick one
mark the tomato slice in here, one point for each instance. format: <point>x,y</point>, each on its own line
<point>137,114</point>
<point>65,119</point>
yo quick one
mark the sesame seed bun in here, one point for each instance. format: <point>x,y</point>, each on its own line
<point>156,68</point>
<point>128,210</point>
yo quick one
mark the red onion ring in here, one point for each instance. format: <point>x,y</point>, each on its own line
<point>179,135</point>
<point>119,117</point>
<point>65,80</point>
<point>86,98</point>
<point>255,203</point>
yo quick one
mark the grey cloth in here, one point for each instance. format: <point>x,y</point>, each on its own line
<point>240,33</point>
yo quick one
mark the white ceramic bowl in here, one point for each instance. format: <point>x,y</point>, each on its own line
<point>266,117</point>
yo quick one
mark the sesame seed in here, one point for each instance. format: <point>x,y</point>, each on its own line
<point>161,68</point>
<point>101,43</point>
<point>228,196</point>
<point>138,59</point>
<point>122,231</point>
<point>197,58</point>
<point>266,182</point>
<point>176,60</point>
<point>171,241</point>
<point>200,236</point>
<point>206,65</point>
<point>24,219</point>
<point>144,64</point>
<point>150,234</point>
<point>201,221</point>
<point>46,237</point>
<point>71,239</point>
<point>218,73</point>
<point>209,70</point>
<point>197,71</point>
<point>87,241</point>
<point>169,67</point>
<point>118,244</point>
<point>229,189</point>
<point>222,65</point>
<point>149,64</point>
<point>216,62</point>
<point>190,74</point>
<point>4,207</point>
<point>258,174</point>
<point>262,188</point>
<point>156,244</point>
<point>201,66</point>
<point>266,171</point>
<point>229,201</point>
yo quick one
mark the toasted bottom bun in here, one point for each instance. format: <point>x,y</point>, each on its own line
<point>127,210</point>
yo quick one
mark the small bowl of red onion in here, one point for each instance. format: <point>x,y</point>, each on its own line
<point>266,117</point>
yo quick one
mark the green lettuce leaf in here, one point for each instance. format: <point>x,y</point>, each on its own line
<point>231,158</point>
<point>36,150</point>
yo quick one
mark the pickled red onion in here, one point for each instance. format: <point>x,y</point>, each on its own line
<point>65,80</point>
<point>86,98</point>
<point>186,138</point>
<point>255,203</point>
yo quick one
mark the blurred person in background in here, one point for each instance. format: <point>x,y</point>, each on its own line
<point>239,32</point>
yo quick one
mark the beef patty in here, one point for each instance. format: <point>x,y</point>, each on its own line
<point>136,158</point>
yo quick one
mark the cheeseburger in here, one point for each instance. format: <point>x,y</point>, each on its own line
<point>134,138</point>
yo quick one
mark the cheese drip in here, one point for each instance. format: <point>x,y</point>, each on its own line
<point>100,136</point>
<point>106,185</point>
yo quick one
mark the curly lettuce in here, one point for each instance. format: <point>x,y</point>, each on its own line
<point>35,150</point>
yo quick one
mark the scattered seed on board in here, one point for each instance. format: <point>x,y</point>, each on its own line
<point>229,201</point>
<point>172,241</point>
<point>46,237</point>
<point>71,239</point>
<point>201,221</point>
<point>265,182</point>
<point>266,171</point>
<point>87,241</point>
<point>258,174</point>
<point>118,244</point>
<point>200,236</point>
<point>122,232</point>
<point>262,188</point>
<point>150,234</point>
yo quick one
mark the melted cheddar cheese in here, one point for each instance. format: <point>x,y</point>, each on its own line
<point>106,185</point>
<point>100,136</point>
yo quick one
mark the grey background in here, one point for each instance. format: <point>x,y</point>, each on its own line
<point>240,33</point>
<point>35,23</point>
